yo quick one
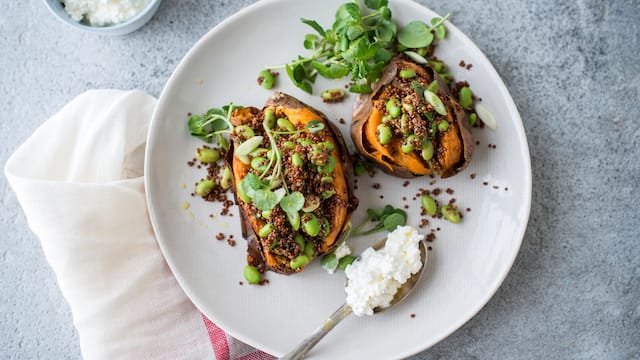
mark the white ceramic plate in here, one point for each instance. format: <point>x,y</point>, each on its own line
<point>468,261</point>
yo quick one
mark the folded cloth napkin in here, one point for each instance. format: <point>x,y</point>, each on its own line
<point>83,196</point>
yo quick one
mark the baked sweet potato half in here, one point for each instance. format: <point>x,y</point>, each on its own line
<point>410,125</point>
<point>293,181</point>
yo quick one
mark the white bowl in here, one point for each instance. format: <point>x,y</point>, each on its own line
<point>133,24</point>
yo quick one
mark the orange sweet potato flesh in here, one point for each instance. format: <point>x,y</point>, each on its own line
<point>259,252</point>
<point>453,148</point>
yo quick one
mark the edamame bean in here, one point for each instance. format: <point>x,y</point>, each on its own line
<point>327,179</point>
<point>251,274</point>
<point>443,125</point>
<point>329,166</point>
<point>429,205</point>
<point>265,230</point>
<point>289,145</point>
<point>433,86</point>
<point>268,80</point>
<point>393,107</point>
<point>427,150</point>
<point>304,142</point>
<point>244,131</point>
<point>466,98</point>
<point>407,107</point>
<point>204,187</point>
<point>207,155</point>
<point>327,194</point>
<point>473,118</point>
<point>270,118</point>
<point>407,73</point>
<point>384,134</point>
<point>285,124</point>
<point>451,213</point>
<point>296,159</point>
<point>294,220</point>
<point>225,181</point>
<point>409,144</point>
<point>311,225</point>
<point>265,214</point>
<point>346,261</point>
<point>309,249</point>
<point>259,163</point>
<point>387,119</point>
<point>299,261</point>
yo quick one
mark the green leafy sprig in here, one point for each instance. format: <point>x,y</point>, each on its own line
<point>387,218</point>
<point>360,42</point>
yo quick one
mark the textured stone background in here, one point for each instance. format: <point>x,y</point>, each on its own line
<point>573,70</point>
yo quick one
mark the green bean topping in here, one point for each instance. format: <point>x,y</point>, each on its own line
<point>207,155</point>
<point>296,159</point>
<point>408,145</point>
<point>443,125</point>
<point>407,73</point>
<point>309,249</point>
<point>310,224</point>
<point>466,98</point>
<point>427,150</point>
<point>473,118</point>
<point>244,132</point>
<point>285,124</point>
<point>267,79</point>
<point>265,230</point>
<point>299,261</point>
<point>204,187</point>
<point>225,180</point>
<point>251,274</point>
<point>451,213</point>
<point>270,118</point>
<point>429,205</point>
<point>393,107</point>
<point>384,134</point>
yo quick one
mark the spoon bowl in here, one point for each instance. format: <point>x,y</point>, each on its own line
<point>345,310</point>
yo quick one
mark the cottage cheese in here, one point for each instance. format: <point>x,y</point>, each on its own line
<point>104,12</point>
<point>374,279</point>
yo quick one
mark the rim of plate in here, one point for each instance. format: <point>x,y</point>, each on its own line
<point>511,107</point>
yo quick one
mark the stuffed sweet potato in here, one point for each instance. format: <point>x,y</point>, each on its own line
<point>293,181</point>
<point>410,125</point>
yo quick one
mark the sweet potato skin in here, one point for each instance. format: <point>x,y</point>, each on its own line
<point>297,112</point>
<point>454,150</point>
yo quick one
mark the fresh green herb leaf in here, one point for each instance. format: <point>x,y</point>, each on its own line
<point>292,202</point>
<point>331,70</point>
<point>375,4</point>
<point>394,220</point>
<point>349,11</point>
<point>265,199</point>
<point>360,88</point>
<point>314,24</point>
<point>415,35</point>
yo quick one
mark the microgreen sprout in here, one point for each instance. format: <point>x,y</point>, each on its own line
<point>361,41</point>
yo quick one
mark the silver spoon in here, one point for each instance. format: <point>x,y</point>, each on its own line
<point>345,310</point>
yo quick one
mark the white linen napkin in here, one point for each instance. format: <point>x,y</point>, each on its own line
<point>83,196</point>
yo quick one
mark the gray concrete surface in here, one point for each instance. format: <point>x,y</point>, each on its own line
<point>573,70</point>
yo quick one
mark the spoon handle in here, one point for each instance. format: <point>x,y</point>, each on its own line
<point>301,350</point>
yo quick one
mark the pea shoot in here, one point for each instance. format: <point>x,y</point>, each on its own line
<point>360,42</point>
<point>387,218</point>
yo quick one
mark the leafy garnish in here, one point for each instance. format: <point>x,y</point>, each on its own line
<point>388,218</point>
<point>265,199</point>
<point>360,42</point>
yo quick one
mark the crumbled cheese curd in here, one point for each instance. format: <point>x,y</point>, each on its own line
<point>376,276</point>
<point>104,12</point>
